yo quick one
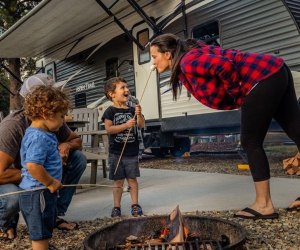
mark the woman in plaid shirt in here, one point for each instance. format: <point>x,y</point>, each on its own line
<point>225,79</point>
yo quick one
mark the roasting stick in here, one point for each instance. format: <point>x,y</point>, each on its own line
<point>125,189</point>
<point>22,191</point>
<point>152,68</point>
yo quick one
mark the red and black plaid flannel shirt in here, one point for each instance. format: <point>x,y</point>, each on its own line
<point>221,78</point>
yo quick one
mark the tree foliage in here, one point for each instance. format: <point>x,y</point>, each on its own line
<point>10,12</point>
<point>4,94</point>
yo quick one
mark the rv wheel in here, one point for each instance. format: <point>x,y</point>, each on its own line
<point>159,152</point>
<point>181,145</point>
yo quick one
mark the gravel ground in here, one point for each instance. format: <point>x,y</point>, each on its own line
<point>281,234</point>
<point>208,161</point>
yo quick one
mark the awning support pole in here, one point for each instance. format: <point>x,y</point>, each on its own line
<point>13,75</point>
<point>117,21</point>
<point>180,8</point>
<point>7,88</point>
<point>10,72</point>
<point>183,9</point>
<point>73,47</point>
<point>145,17</point>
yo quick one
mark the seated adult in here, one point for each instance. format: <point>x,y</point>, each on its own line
<point>12,130</point>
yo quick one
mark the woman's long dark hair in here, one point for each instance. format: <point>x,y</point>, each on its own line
<point>178,48</point>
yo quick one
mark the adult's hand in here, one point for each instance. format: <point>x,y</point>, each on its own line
<point>64,150</point>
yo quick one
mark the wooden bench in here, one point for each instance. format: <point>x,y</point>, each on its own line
<point>95,142</point>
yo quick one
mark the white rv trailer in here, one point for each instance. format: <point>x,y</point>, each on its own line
<point>95,40</point>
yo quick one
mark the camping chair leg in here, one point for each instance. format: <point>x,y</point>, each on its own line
<point>93,172</point>
<point>104,168</point>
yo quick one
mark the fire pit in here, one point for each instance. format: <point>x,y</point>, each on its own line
<point>212,233</point>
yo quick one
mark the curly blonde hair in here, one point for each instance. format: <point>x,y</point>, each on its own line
<point>45,102</point>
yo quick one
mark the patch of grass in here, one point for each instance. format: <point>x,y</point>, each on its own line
<point>281,150</point>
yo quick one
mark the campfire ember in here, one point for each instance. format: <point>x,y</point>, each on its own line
<point>175,231</point>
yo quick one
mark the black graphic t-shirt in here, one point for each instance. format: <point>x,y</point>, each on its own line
<point>116,141</point>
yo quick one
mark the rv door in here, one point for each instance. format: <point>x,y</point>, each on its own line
<point>142,64</point>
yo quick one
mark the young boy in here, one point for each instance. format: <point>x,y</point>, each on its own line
<point>41,162</point>
<point>119,120</point>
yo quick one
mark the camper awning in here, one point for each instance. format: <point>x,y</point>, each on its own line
<point>58,29</point>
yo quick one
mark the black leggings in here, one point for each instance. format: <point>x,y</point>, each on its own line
<point>273,97</point>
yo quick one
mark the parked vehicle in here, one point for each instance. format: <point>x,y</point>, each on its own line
<point>92,41</point>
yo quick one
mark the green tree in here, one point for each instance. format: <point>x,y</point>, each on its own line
<point>4,94</point>
<point>10,12</point>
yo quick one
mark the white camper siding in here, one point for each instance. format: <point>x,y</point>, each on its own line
<point>184,105</point>
<point>93,75</point>
<point>264,26</point>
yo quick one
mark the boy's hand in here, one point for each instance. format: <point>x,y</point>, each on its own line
<point>130,123</point>
<point>138,109</point>
<point>54,186</point>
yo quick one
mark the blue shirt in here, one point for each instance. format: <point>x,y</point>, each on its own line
<point>40,147</point>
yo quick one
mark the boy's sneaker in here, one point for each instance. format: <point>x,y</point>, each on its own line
<point>136,210</point>
<point>116,212</point>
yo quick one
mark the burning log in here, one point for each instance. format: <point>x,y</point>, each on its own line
<point>173,232</point>
<point>176,230</point>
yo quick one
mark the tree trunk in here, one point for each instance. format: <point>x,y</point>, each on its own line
<point>14,65</point>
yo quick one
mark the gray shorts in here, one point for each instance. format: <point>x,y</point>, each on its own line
<point>128,167</point>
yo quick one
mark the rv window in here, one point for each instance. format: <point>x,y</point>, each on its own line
<point>80,100</point>
<point>50,70</point>
<point>143,38</point>
<point>111,67</point>
<point>209,33</point>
